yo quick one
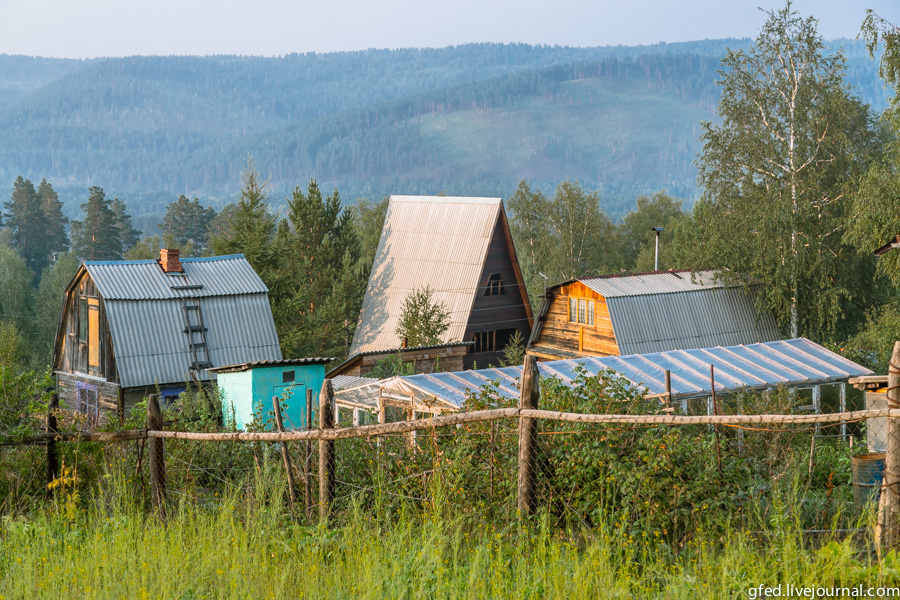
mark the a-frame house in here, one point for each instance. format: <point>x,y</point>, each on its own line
<point>463,250</point>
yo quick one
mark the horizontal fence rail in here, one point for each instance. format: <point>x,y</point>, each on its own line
<point>364,431</point>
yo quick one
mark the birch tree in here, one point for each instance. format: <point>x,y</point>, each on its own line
<point>776,171</point>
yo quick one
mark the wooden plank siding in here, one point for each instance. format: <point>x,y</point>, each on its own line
<point>558,333</point>
<point>428,360</point>
<point>509,311</point>
<point>93,356</point>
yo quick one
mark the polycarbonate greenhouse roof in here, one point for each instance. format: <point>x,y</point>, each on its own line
<point>796,363</point>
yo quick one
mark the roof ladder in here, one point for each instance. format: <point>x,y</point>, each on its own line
<point>196,332</point>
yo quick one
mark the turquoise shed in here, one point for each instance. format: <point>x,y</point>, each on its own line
<point>248,388</point>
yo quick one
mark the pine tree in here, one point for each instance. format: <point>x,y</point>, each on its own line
<point>188,223</point>
<point>55,238</point>
<point>128,235</point>
<point>26,223</point>
<point>97,236</point>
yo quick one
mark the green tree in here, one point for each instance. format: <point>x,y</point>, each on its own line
<point>582,235</point>
<point>249,228</point>
<point>636,237</point>
<point>97,236</point>
<point>26,223</point>
<point>15,290</point>
<point>874,219</point>
<point>187,222</point>
<point>48,304</point>
<point>423,321</point>
<point>369,218</point>
<point>55,239</point>
<point>531,233</point>
<point>776,173</point>
<point>128,235</point>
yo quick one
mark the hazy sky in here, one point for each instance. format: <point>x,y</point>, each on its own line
<point>90,28</point>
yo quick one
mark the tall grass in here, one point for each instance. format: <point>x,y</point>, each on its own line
<point>246,545</point>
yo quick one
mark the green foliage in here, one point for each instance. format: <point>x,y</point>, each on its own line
<point>15,289</point>
<point>55,239</point>
<point>639,242</point>
<point>97,236</point>
<point>26,221</point>
<point>48,305</point>
<point>514,352</point>
<point>873,344</point>
<point>390,366</point>
<point>187,222</point>
<point>128,235</point>
<point>423,321</point>
<point>776,174</point>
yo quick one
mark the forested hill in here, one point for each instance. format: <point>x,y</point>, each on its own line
<point>471,119</point>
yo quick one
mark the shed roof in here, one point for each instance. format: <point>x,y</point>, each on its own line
<point>796,362</point>
<point>435,241</point>
<point>285,362</point>
<point>146,317</point>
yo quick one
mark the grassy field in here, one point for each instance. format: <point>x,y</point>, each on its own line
<point>247,546</point>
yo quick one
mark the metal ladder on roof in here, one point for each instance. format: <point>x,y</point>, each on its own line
<point>196,332</point>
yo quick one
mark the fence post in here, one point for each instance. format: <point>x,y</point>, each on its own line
<point>326,451</point>
<point>156,457</point>
<point>887,531</point>
<point>529,394</point>
<point>284,452</point>
<point>52,445</point>
<point>307,476</point>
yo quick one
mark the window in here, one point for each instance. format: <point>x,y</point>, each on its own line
<point>287,376</point>
<point>491,341</point>
<point>495,286</point>
<point>581,310</point>
<point>86,402</point>
<point>83,320</point>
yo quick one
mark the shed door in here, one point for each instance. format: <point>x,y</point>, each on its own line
<point>94,333</point>
<point>293,408</point>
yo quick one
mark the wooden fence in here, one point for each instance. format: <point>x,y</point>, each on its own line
<point>528,414</point>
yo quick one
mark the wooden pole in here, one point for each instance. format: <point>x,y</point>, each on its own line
<point>156,457</point>
<point>307,476</point>
<point>529,395</point>
<point>326,451</point>
<point>52,444</point>
<point>292,494</point>
<point>668,387</point>
<point>712,383</point>
<point>887,531</point>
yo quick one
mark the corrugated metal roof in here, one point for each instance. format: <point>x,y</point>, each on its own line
<point>661,282</point>
<point>151,347</point>
<point>145,279</point>
<point>692,319</point>
<point>798,362</point>
<point>285,362</point>
<point>435,241</point>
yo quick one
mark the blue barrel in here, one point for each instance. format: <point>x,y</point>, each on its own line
<point>868,473</point>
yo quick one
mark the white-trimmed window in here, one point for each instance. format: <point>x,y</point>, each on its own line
<point>581,310</point>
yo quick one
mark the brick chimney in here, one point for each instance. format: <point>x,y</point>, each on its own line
<point>168,260</point>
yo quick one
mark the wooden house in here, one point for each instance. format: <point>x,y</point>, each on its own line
<point>423,359</point>
<point>129,328</point>
<point>643,313</point>
<point>463,250</point>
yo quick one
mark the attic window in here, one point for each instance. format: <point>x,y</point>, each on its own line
<point>581,310</point>
<point>495,286</point>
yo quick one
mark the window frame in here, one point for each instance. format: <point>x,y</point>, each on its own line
<point>582,311</point>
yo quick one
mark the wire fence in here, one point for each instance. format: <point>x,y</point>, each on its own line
<point>592,455</point>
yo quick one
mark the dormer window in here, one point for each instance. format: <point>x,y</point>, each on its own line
<point>495,286</point>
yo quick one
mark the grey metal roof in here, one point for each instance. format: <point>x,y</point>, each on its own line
<point>797,362</point>
<point>285,362</point>
<point>203,277</point>
<point>691,319</point>
<point>660,282</point>
<point>151,347</point>
<point>435,241</point>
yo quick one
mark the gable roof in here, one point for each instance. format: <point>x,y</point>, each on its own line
<point>144,309</point>
<point>435,241</point>
<point>674,310</point>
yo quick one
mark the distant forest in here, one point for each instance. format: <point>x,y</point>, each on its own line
<point>467,120</point>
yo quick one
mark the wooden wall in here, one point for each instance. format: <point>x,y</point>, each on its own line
<point>424,361</point>
<point>107,394</point>
<point>95,356</point>
<point>495,313</point>
<point>558,333</point>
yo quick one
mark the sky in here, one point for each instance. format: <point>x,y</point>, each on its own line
<point>92,28</point>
